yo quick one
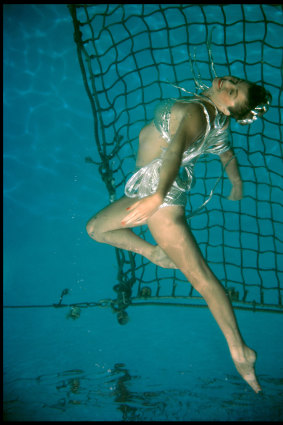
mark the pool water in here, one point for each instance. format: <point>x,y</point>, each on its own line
<point>167,363</point>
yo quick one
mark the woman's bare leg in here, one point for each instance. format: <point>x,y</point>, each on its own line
<point>106,227</point>
<point>170,230</point>
<point>177,249</point>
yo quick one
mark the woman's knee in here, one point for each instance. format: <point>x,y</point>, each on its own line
<point>94,230</point>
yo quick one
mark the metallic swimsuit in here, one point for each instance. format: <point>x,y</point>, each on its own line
<point>144,181</point>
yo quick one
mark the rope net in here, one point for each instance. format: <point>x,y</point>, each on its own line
<point>128,54</point>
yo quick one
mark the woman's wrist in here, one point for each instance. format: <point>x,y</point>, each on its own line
<point>159,196</point>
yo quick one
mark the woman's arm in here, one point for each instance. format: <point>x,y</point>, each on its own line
<point>233,173</point>
<point>172,159</point>
<point>191,127</point>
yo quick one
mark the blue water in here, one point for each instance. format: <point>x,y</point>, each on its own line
<point>167,363</point>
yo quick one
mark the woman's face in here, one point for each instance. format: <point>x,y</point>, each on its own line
<point>229,92</point>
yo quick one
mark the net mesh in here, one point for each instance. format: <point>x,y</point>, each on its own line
<point>127,54</point>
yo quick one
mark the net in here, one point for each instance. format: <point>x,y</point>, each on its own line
<point>127,55</point>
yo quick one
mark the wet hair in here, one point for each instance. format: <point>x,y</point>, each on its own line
<point>258,99</point>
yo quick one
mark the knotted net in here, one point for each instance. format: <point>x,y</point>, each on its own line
<point>127,55</point>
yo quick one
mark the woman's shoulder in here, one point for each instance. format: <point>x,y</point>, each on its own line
<point>194,103</point>
<point>193,110</point>
<point>203,106</point>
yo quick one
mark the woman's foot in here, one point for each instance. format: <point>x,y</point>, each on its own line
<point>160,258</point>
<point>245,366</point>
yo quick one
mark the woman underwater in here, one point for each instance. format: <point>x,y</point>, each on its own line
<point>182,130</point>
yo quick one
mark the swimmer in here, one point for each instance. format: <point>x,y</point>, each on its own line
<point>156,193</point>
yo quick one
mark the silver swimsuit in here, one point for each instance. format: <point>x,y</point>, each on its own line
<point>144,181</point>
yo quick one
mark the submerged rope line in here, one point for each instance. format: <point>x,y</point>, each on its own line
<point>157,301</point>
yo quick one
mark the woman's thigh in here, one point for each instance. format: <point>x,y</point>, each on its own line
<point>170,230</point>
<point>110,217</point>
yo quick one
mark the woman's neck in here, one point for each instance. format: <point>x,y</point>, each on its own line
<point>217,112</point>
<point>209,93</point>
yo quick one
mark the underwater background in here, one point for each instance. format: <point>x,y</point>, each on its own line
<point>167,363</point>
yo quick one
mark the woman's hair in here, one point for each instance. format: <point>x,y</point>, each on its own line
<point>256,105</point>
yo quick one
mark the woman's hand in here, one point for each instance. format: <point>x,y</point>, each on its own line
<point>236,192</point>
<point>141,210</point>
